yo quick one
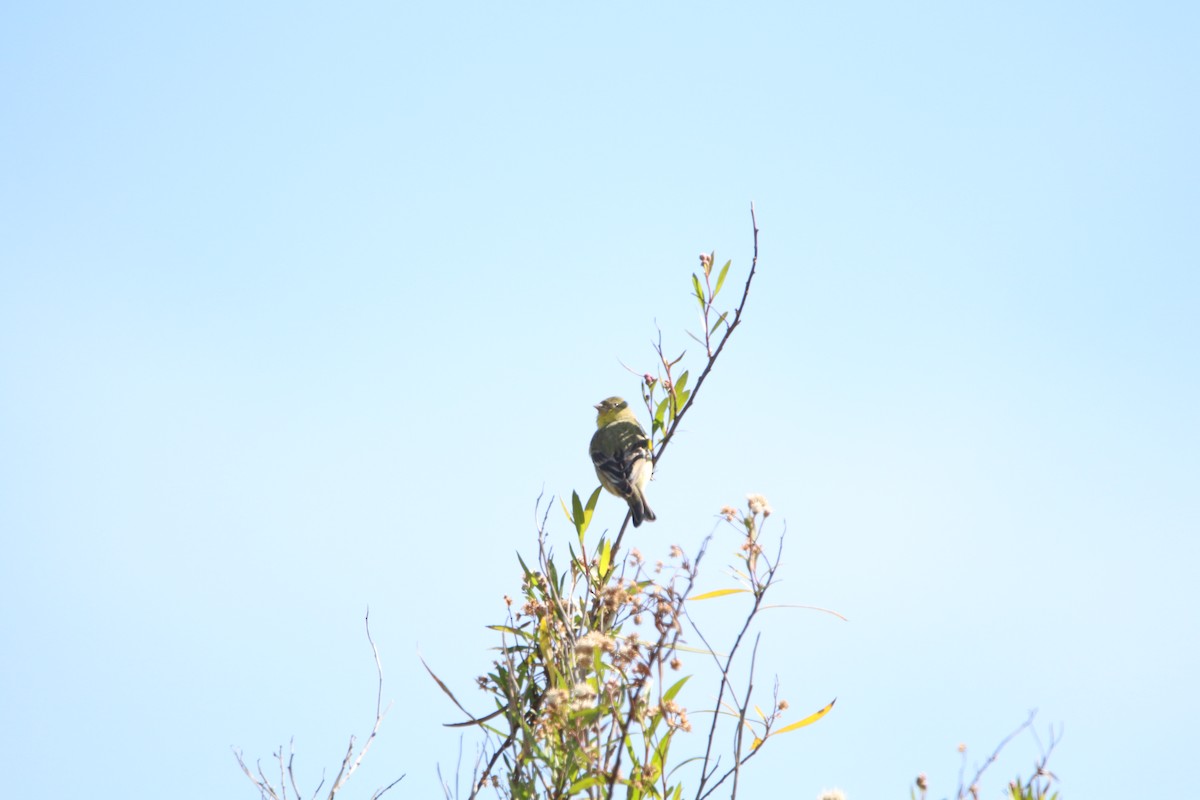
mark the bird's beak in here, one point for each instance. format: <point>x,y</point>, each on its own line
<point>597,406</point>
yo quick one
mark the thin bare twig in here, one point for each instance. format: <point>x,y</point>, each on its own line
<point>992,758</point>
<point>264,786</point>
<point>741,726</point>
<point>282,774</point>
<point>379,792</point>
<point>348,768</point>
<point>287,773</point>
<point>1040,771</point>
<point>726,684</point>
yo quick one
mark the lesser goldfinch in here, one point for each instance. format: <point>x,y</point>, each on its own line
<point>620,451</point>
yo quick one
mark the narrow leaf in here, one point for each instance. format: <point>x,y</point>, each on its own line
<point>717,593</point>
<point>585,783</point>
<point>720,319</point>
<point>675,687</point>
<point>809,720</point>
<point>660,754</point>
<point>510,629</point>
<point>587,716</point>
<point>806,608</point>
<point>721,277</point>
<point>576,510</point>
<point>661,410</point>
<point>591,503</point>
<point>699,291</point>
<point>605,557</point>
<point>682,382</point>
<point>446,689</point>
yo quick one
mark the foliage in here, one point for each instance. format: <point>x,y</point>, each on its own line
<point>586,690</point>
<point>587,699</point>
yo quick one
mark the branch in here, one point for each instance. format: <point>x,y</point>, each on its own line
<point>725,668</point>
<point>347,769</point>
<point>264,786</point>
<point>712,360</point>
<point>995,754</point>
<point>737,319</point>
<point>654,655</point>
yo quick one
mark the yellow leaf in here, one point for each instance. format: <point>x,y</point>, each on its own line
<point>757,743</point>
<point>809,720</point>
<point>717,593</point>
<point>760,714</point>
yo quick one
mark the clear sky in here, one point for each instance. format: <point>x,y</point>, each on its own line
<point>303,304</point>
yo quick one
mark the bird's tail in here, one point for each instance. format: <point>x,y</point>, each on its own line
<point>640,508</point>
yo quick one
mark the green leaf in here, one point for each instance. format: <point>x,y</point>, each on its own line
<point>587,716</point>
<point>682,382</point>
<point>591,503</point>
<point>589,509</point>
<point>661,411</point>
<point>586,783</point>
<point>660,754</point>
<point>576,510</point>
<point>605,557</point>
<point>683,398</point>
<point>633,756</point>
<point>675,687</point>
<point>698,289</point>
<point>720,319</point>
<point>721,277</point>
<point>510,629</point>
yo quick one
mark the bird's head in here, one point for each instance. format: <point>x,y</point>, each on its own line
<point>610,410</point>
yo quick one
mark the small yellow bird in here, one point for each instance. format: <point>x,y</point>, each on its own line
<point>620,451</point>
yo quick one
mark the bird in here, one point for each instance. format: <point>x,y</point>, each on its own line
<point>620,452</point>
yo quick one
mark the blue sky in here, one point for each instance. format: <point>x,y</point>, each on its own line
<point>302,306</point>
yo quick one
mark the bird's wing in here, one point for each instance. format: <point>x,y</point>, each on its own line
<point>615,469</point>
<point>619,468</point>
